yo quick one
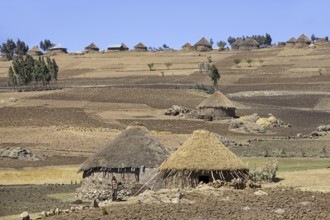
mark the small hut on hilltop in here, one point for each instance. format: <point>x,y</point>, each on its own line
<point>117,47</point>
<point>92,48</point>
<point>217,106</point>
<point>291,42</point>
<point>203,45</point>
<point>320,41</point>
<point>249,44</point>
<point>187,47</point>
<point>35,51</point>
<point>140,47</point>
<point>57,49</point>
<point>281,44</point>
<point>303,41</point>
<point>132,158</point>
<point>201,158</point>
<point>235,45</point>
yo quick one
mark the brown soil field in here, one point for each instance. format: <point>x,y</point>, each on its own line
<point>98,95</point>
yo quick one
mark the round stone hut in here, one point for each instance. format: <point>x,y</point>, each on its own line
<point>35,51</point>
<point>201,158</point>
<point>140,47</point>
<point>203,45</point>
<point>291,42</point>
<point>235,45</point>
<point>187,47</point>
<point>248,44</point>
<point>92,48</point>
<point>57,49</point>
<point>217,106</point>
<point>132,158</point>
<point>303,41</point>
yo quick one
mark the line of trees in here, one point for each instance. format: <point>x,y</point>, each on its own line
<point>34,73</point>
<point>9,48</point>
<point>261,39</point>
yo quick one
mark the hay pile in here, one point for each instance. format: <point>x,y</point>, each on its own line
<point>203,151</point>
<point>135,147</point>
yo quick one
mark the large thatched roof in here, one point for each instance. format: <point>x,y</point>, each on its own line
<point>92,46</point>
<point>303,39</point>
<point>216,100</point>
<point>135,147</point>
<point>35,49</point>
<point>249,42</point>
<point>237,42</point>
<point>186,45</point>
<point>140,45</point>
<point>292,40</point>
<point>203,42</point>
<point>203,151</point>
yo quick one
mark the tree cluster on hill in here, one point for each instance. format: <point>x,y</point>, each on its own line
<point>35,73</point>
<point>261,39</point>
<point>10,48</point>
<point>46,44</point>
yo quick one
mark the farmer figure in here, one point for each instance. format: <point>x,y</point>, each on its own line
<point>114,186</point>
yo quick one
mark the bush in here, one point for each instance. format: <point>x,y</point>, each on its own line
<point>202,87</point>
<point>265,173</point>
<point>104,211</point>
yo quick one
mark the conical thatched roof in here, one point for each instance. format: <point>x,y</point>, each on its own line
<point>124,46</point>
<point>203,151</point>
<point>186,45</point>
<point>92,46</point>
<point>303,39</point>
<point>35,49</point>
<point>249,42</point>
<point>135,147</point>
<point>237,42</point>
<point>292,40</point>
<point>140,45</point>
<point>216,100</point>
<point>203,42</point>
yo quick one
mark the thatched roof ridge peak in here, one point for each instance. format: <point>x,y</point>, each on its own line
<point>216,100</point>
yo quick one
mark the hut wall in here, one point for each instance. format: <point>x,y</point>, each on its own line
<point>217,113</point>
<point>248,47</point>
<point>301,45</point>
<point>140,49</point>
<point>203,48</point>
<point>290,44</point>
<point>92,50</point>
<point>58,51</point>
<point>183,179</point>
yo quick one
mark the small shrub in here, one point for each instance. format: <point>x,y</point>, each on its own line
<point>202,87</point>
<point>265,173</point>
<point>323,153</point>
<point>162,73</point>
<point>168,65</point>
<point>150,65</point>
<point>261,61</point>
<point>104,211</point>
<point>237,61</point>
<point>249,61</point>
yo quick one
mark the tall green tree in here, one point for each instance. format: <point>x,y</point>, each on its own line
<point>221,44</point>
<point>211,42</point>
<point>313,38</point>
<point>8,49</point>
<point>21,48</point>
<point>231,40</point>
<point>214,75</point>
<point>46,44</point>
<point>268,39</point>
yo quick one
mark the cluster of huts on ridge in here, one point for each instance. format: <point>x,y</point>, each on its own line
<point>136,157</point>
<point>202,45</point>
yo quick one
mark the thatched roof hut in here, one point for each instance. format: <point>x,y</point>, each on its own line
<point>291,42</point>
<point>217,106</point>
<point>203,45</point>
<point>57,49</point>
<point>117,47</point>
<point>187,47</point>
<point>92,48</point>
<point>320,41</point>
<point>302,41</point>
<point>140,47</point>
<point>35,51</point>
<point>202,157</point>
<point>249,44</point>
<point>235,45</point>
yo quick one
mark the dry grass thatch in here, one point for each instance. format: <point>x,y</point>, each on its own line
<point>140,46</point>
<point>203,42</point>
<point>203,151</point>
<point>216,100</point>
<point>237,42</point>
<point>35,49</point>
<point>135,147</point>
<point>303,39</point>
<point>292,40</point>
<point>186,45</point>
<point>249,42</point>
<point>92,46</point>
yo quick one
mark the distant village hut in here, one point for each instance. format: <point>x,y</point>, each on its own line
<point>57,49</point>
<point>203,45</point>
<point>291,42</point>
<point>303,41</point>
<point>92,48</point>
<point>201,158</point>
<point>249,44</point>
<point>132,158</point>
<point>320,41</point>
<point>187,47</point>
<point>140,47</point>
<point>35,51</point>
<point>281,44</point>
<point>117,47</point>
<point>235,45</point>
<point>217,106</point>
